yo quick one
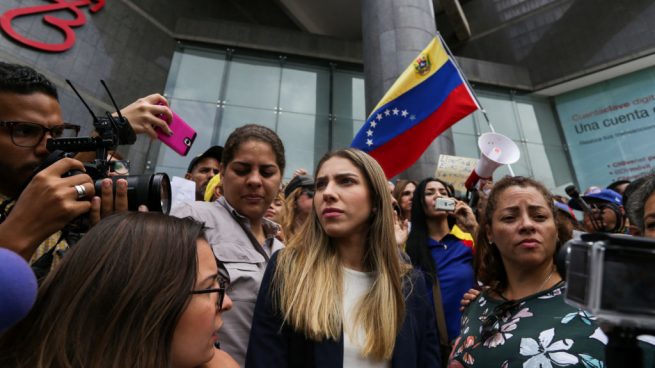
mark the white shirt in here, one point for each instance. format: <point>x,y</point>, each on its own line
<point>355,286</point>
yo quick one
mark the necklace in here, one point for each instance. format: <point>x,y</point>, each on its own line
<point>541,287</point>
<point>546,280</point>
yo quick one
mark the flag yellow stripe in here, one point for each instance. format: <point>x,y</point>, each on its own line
<point>410,77</point>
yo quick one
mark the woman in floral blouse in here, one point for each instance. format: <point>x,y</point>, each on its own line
<point>521,320</point>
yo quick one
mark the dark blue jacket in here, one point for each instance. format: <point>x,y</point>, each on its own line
<point>274,344</point>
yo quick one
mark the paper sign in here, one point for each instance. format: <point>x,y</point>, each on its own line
<point>455,170</point>
<point>182,190</point>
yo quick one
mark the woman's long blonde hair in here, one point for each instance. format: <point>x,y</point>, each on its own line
<point>307,285</point>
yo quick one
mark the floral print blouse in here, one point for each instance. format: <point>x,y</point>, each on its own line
<point>540,330</point>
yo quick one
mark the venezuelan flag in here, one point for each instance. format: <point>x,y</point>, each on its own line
<point>428,97</point>
<point>465,237</point>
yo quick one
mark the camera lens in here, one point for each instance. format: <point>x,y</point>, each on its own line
<point>153,191</point>
<point>187,142</point>
<point>160,190</point>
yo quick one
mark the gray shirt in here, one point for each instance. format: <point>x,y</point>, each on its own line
<point>244,263</point>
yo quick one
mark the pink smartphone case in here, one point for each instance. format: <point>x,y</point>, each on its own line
<point>182,138</point>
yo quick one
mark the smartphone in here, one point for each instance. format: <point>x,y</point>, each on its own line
<point>444,204</point>
<point>182,138</point>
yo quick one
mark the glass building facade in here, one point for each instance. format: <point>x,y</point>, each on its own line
<point>313,106</point>
<point>317,106</point>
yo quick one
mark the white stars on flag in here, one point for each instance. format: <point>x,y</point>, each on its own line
<point>397,114</point>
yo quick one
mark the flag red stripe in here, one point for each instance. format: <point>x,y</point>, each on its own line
<point>401,152</point>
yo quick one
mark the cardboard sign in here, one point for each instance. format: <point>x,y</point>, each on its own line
<point>455,170</point>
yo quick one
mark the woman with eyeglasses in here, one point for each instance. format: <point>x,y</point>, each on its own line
<point>298,197</point>
<point>521,319</point>
<point>138,290</point>
<point>338,294</point>
<point>445,258</point>
<point>241,237</point>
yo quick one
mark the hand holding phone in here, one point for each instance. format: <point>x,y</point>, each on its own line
<point>182,138</point>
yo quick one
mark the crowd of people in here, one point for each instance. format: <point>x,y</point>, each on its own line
<point>332,269</point>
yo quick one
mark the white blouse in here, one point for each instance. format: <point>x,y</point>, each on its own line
<point>355,285</point>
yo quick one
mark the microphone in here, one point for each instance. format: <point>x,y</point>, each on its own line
<point>572,192</point>
<point>18,288</point>
<point>595,218</point>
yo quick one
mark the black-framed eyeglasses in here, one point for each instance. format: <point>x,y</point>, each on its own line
<point>309,193</point>
<point>223,284</point>
<point>491,324</point>
<point>120,167</point>
<point>29,134</point>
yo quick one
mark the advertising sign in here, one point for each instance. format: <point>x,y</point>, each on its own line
<point>610,128</point>
<point>60,25</point>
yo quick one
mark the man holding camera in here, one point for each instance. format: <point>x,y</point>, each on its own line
<point>35,208</point>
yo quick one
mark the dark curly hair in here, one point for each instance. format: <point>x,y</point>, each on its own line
<point>487,261</point>
<point>24,80</point>
<point>253,132</point>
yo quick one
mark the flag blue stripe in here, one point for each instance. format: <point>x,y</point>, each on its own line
<point>419,103</point>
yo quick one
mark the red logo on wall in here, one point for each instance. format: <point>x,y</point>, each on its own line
<point>64,25</point>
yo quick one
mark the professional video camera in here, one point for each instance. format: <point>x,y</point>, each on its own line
<point>612,276</point>
<point>154,191</point>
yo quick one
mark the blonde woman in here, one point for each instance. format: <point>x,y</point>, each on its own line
<point>338,294</point>
<point>298,194</point>
<point>275,213</point>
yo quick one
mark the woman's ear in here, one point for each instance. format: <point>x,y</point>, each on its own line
<point>489,233</point>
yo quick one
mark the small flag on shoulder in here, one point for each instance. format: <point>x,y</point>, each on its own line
<point>429,97</point>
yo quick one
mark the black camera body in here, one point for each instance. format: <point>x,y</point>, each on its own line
<point>154,191</point>
<point>613,276</point>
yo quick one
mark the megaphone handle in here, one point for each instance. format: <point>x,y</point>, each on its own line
<point>472,180</point>
<point>473,197</point>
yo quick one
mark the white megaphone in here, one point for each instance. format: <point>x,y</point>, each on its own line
<point>496,150</point>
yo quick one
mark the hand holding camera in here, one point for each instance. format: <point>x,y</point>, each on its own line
<point>131,192</point>
<point>460,210</point>
<point>58,204</point>
<point>465,218</point>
